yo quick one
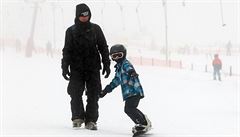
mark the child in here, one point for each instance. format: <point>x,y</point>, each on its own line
<point>217,66</point>
<point>132,90</point>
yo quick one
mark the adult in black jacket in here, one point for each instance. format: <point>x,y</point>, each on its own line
<point>84,42</point>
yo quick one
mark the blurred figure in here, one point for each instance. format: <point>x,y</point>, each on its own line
<point>217,66</point>
<point>228,48</point>
<point>186,49</point>
<point>195,50</point>
<point>30,47</point>
<point>18,45</point>
<point>49,49</point>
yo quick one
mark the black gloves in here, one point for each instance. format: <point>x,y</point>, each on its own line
<point>106,90</point>
<point>106,69</point>
<point>102,93</point>
<point>65,72</point>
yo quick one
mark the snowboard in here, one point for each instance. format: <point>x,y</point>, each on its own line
<point>139,133</point>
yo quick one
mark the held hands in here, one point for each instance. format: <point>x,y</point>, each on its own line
<point>106,90</point>
<point>102,93</point>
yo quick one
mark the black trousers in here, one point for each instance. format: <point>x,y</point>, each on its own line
<point>216,72</point>
<point>131,110</point>
<point>89,82</point>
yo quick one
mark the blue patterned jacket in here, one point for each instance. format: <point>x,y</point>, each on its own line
<point>130,85</point>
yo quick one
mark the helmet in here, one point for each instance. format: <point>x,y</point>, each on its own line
<point>118,48</point>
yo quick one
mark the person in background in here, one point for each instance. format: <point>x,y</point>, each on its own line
<point>49,49</point>
<point>229,48</point>
<point>217,66</point>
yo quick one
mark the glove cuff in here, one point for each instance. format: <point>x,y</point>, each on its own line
<point>106,63</point>
<point>108,89</point>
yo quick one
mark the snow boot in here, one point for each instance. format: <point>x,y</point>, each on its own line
<point>140,128</point>
<point>77,123</point>
<point>91,126</point>
<point>149,123</point>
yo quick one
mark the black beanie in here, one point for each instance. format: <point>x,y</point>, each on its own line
<point>82,10</point>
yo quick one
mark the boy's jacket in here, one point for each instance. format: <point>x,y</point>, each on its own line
<point>130,85</point>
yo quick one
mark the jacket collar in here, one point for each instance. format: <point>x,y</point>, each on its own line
<point>119,64</point>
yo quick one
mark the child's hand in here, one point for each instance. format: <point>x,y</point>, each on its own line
<point>106,90</point>
<point>102,93</point>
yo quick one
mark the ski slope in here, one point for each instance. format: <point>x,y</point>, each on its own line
<point>179,102</point>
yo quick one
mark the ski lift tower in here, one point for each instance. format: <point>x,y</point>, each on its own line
<point>102,13</point>
<point>164,3</point>
<point>30,41</point>
<point>55,5</point>
<point>122,14</point>
<point>138,17</point>
<point>221,10</point>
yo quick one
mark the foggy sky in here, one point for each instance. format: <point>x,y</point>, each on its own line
<point>197,23</point>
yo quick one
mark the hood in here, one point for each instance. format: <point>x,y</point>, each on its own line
<point>82,9</point>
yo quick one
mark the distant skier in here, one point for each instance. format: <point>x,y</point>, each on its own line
<point>217,66</point>
<point>229,48</point>
<point>49,49</point>
<point>132,92</point>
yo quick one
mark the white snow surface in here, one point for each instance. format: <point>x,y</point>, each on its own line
<point>179,102</point>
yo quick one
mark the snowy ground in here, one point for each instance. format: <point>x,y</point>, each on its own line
<point>185,103</point>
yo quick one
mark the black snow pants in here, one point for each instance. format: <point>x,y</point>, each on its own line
<point>131,110</point>
<point>216,72</point>
<point>89,82</point>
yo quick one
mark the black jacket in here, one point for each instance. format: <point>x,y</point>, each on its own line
<point>82,48</point>
<point>83,43</point>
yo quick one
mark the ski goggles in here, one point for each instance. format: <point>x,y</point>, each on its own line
<point>116,56</point>
<point>84,14</point>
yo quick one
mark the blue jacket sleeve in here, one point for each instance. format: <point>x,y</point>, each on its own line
<point>115,82</point>
<point>129,69</point>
